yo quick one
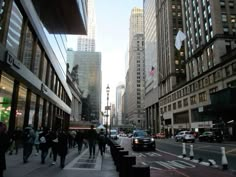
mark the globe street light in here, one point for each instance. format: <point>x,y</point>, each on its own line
<point>107,108</point>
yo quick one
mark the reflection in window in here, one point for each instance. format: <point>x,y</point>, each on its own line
<point>6,89</point>
<point>37,61</point>
<point>44,69</point>
<point>14,31</point>
<point>32,109</point>
<point>40,113</point>
<point>28,48</point>
<point>20,111</point>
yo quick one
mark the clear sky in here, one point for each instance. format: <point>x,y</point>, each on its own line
<point>112,35</point>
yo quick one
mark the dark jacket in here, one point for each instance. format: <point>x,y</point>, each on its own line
<point>62,144</point>
<point>4,144</point>
<point>92,135</point>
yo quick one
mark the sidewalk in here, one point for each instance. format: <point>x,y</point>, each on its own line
<point>76,165</point>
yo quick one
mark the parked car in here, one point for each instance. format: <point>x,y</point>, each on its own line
<point>141,140</point>
<point>114,134</point>
<point>211,136</point>
<point>185,136</point>
<point>159,135</point>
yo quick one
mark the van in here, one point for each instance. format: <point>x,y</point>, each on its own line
<point>113,134</point>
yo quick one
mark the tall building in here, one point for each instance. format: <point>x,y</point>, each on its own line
<point>135,88</point>
<point>136,22</point>
<point>87,42</point>
<point>151,67</point>
<point>90,79</point>
<point>170,61</point>
<point>135,76</point>
<point>119,94</point>
<point>208,97</point>
<point>33,87</point>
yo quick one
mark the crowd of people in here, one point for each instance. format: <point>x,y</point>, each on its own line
<point>48,142</point>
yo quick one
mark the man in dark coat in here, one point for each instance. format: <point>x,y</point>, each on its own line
<point>28,142</point>
<point>102,142</point>
<point>79,140</point>
<point>92,138</point>
<point>62,147</point>
<point>4,144</point>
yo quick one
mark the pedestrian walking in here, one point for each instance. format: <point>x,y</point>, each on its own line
<point>15,140</point>
<point>44,144</point>
<point>92,138</point>
<point>79,137</point>
<point>54,145</point>
<point>102,142</point>
<point>28,142</point>
<point>36,141</point>
<point>4,144</point>
<point>62,147</point>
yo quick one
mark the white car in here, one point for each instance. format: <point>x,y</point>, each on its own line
<point>185,136</point>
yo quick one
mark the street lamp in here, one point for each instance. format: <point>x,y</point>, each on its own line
<point>107,108</point>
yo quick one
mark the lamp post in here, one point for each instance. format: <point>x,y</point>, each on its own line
<point>107,108</point>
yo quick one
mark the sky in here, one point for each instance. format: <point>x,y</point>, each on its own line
<point>112,36</point>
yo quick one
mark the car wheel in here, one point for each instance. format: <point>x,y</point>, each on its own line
<point>176,139</point>
<point>193,141</point>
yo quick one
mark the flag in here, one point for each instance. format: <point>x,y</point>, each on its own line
<point>151,73</point>
<point>179,38</point>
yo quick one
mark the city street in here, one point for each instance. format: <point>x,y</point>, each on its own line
<point>167,158</point>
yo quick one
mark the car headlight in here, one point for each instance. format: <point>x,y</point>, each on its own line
<point>152,139</point>
<point>136,141</point>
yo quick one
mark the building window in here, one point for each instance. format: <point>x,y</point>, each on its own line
<point>202,97</point>
<point>169,107</point>
<point>14,31</point>
<point>193,99</point>
<point>28,48</point>
<point>186,102</point>
<point>213,90</point>
<point>174,106</point>
<point>180,104</point>
<point>234,68</point>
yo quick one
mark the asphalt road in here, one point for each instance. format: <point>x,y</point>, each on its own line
<point>165,161</point>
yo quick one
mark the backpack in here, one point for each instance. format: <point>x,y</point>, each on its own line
<point>102,138</point>
<point>26,135</point>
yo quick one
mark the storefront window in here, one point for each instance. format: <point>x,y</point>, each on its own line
<point>6,89</point>
<point>14,31</point>
<point>20,111</point>
<point>32,109</point>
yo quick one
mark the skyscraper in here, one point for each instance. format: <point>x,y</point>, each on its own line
<point>90,78</point>
<point>136,22</point>
<point>151,67</point>
<point>135,77</point>
<point>87,42</point>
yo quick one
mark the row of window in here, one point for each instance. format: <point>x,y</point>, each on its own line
<point>201,83</point>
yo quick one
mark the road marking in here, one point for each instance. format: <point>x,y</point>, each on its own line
<point>150,154</point>
<point>232,150</point>
<point>201,147</point>
<point>169,165</point>
<point>167,152</point>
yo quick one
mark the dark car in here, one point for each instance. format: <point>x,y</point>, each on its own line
<point>141,140</point>
<point>211,136</point>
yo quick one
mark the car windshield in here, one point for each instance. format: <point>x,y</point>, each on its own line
<point>140,133</point>
<point>113,133</point>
